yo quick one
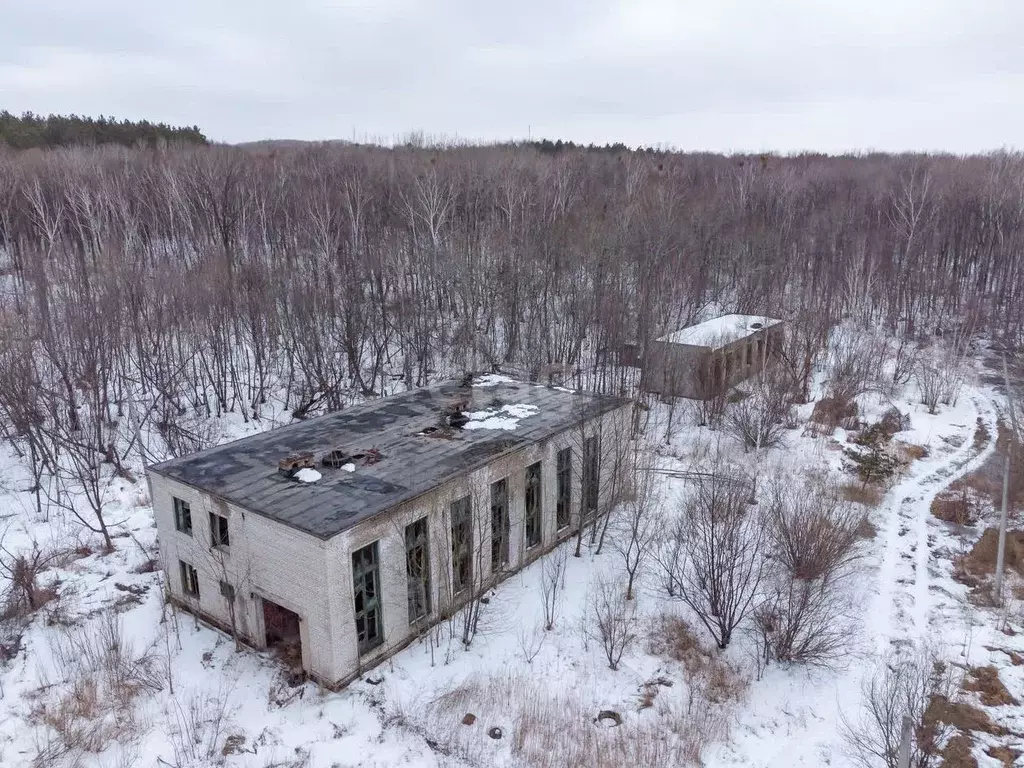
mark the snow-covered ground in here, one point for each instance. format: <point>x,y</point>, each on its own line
<point>202,702</point>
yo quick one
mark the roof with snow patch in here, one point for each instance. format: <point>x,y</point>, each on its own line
<point>503,416</point>
<point>720,331</point>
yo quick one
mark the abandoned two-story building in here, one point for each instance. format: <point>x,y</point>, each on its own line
<point>704,360</point>
<point>345,536</point>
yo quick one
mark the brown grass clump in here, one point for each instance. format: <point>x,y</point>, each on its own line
<point>1005,755</point>
<point>981,435</point>
<point>908,452</point>
<point>987,479</point>
<point>831,412</point>
<point>985,681</point>
<point>673,638</point>
<point>862,493</point>
<point>956,505</point>
<point>981,560</point>
<point>957,753</point>
<point>961,715</point>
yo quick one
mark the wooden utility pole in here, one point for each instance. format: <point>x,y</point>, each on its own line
<point>997,586</point>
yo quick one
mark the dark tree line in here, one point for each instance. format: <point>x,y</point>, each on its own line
<point>144,290</point>
<point>30,131</point>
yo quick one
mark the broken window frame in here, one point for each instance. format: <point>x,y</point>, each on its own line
<point>417,569</point>
<point>189,579</point>
<point>366,598</point>
<point>534,505</point>
<point>591,477</point>
<point>182,516</point>
<point>499,525</point>
<point>461,513</point>
<point>563,504</point>
<point>219,533</point>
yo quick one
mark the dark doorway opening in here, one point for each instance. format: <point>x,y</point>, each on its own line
<point>282,634</point>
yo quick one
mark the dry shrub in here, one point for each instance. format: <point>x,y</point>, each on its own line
<point>853,363</point>
<point>648,695</point>
<point>812,532</point>
<point>558,728</point>
<point>831,413</point>
<point>24,595</point>
<point>150,565</point>
<point>985,682</point>
<point>940,376</point>
<point>1016,659</point>
<point>867,529</point>
<point>957,504</point>
<point>760,420</point>
<point>199,730</point>
<point>671,637</point>
<point>90,702</point>
<point>860,493</point>
<point>909,452</point>
<point>805,613</point>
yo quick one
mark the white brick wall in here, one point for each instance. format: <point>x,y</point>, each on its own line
<point>314,577</point>
<point>265,558</point>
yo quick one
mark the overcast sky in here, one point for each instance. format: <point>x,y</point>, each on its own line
<point>782,75</point>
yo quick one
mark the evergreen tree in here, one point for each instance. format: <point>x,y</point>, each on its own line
<point>30,130</point>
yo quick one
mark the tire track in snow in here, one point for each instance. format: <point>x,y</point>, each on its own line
<point>903,597</point>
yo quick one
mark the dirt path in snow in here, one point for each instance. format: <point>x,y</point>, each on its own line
<point>904,603</point>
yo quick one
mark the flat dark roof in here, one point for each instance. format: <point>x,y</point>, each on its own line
<point>245,471</point>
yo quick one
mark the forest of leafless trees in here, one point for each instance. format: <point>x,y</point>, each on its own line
<point>148,289</point>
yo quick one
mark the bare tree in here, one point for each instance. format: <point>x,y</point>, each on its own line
<point>233,574</point>
<point>904,353</point>
<point>721,569</point>
<point>636,529</point>
<point>900,687</point>
<point>806,613</point>
<point>759,419</point>
<point>939,375</point>
<point>812,533</point>
<point>610,619</point>
<point>604,447</point>
<point>853,363</point>
<point>530,641</point>
<point>551,574</point>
